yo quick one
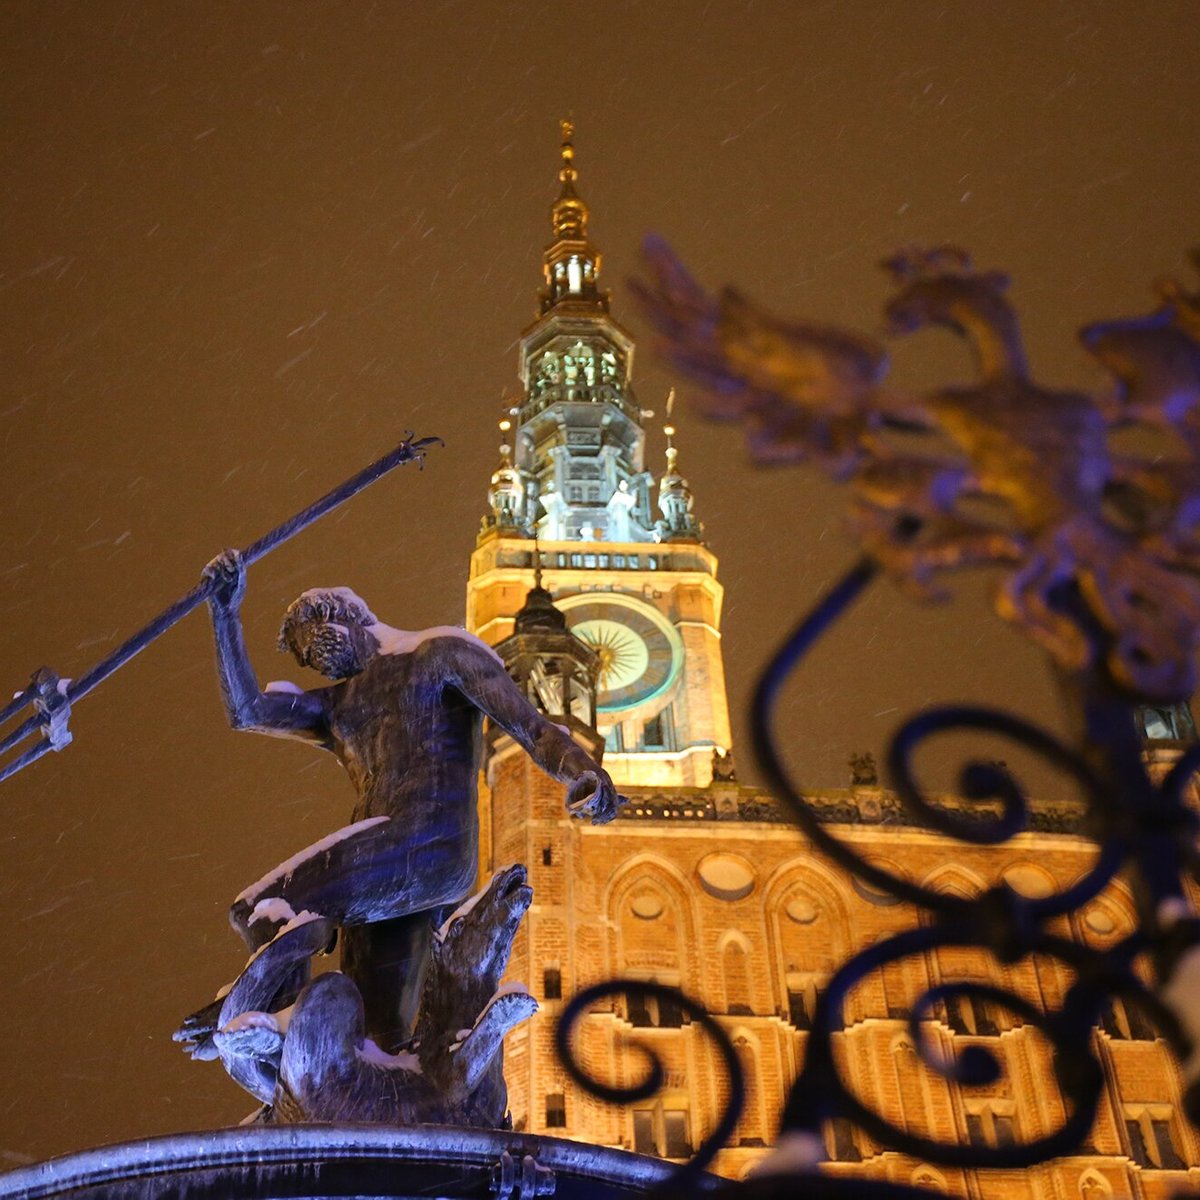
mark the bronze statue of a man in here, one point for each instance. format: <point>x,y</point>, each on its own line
<point>404,716</point>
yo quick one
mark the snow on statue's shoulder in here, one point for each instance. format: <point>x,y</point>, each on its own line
<point>405,641</point>
<point>285,686</point>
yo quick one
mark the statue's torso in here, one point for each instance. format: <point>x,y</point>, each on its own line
<point>408,737</point>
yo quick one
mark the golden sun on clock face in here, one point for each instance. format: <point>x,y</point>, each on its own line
<point>639,650</point>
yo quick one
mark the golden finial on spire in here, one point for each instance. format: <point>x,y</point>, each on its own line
<point>570,214</point>
<point>669,430</point>
<point>505,448</point>
<point>568,173</point>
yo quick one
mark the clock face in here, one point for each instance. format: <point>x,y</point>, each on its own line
<point>640,652</point>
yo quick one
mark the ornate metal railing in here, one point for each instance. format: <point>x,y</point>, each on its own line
<point>1102,555</point>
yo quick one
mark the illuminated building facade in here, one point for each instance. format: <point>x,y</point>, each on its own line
<point>611,621</point>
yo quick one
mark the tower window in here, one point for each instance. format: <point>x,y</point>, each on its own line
<point>969,1016</point>
<point>975,1133</point>
<point>547,856</point>
<point>574,275</point>
<point>643,1132</point>
<point>1150,1142</point>
<point>844,1149</point>
<point>556,1111</point>
<point>552,984</point>
<point>802,1000</point>
<point>675,1130</point>
<point>662,1132</point>
<point>658,732</point>
<point>653,736</point>
<point>1120,1020</point>
<point>654,1012</point>
<point>991,1125</point>
<point>798,1012</point>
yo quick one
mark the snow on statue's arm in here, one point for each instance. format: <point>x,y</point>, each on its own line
<point>477,671</point>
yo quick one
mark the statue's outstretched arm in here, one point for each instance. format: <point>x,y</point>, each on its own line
<point>283,714</point>
<point>481,677</point>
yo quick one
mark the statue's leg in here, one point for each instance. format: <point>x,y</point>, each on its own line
<point>371,871</point>
<point>387,960</point>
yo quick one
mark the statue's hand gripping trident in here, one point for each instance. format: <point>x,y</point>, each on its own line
<point>226,576</point>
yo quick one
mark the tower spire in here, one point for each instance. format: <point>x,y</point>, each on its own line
<point>569,214</point>
<point>571,261</point>
<point>575,470</point>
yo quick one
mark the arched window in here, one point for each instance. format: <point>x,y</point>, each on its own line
<point>1093,1186</point>
<point>926,1177</point>
<point>809,933</point>
<point>965,1014</point>
<point>646,908</point>
<point>751,1130</point>
<point>735,972</point>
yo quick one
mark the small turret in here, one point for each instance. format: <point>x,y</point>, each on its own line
<point>554,668</point>
<point>511,498</point>
<point>675,498</point>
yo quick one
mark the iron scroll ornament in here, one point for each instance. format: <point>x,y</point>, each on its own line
<point>1103,558</point>
<point>689,1173</point>
<point>1001,922</point>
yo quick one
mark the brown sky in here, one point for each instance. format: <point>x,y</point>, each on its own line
<point>249,244</point>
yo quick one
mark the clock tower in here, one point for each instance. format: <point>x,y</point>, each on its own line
<point>594,584</point>
<point>573,500</point>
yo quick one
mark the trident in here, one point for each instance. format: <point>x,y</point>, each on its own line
<point>52,696</point>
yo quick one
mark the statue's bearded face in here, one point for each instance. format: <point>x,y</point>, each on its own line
<point>337,651</point>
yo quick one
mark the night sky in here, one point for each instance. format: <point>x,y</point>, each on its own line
<point>248,245</point>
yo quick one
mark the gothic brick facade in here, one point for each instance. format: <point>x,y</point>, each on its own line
<point>711,889</point>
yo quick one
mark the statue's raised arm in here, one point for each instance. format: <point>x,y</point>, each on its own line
<point>291,713</point>
<point>481,677</point>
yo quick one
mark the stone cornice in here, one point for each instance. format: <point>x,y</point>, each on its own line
<point>835,806</point>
